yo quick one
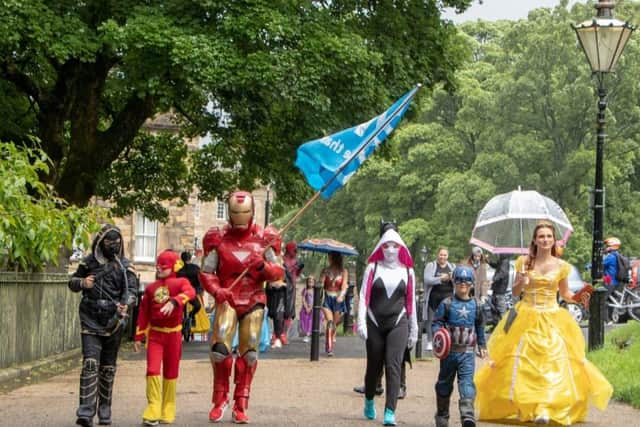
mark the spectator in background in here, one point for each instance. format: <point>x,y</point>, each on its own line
<point>437,286</point>
<point>335,281</point>
<point>276,304</point>
<point>612,248</point>
<point>610,266</point>
<point>500,285</point>
<point>478,261</point>
<point>190,271</point>
<point>306,309</point>
<point>293,268</point>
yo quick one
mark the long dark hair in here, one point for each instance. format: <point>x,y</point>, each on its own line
<point>533,248</point>
<point>335,259</point>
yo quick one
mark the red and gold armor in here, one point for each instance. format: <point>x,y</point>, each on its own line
<point>238,260</point>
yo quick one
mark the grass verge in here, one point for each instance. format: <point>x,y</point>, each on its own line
<point>619,361</point>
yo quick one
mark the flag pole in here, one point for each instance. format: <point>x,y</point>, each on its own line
<point>335,175</point>
<point>300,212</point>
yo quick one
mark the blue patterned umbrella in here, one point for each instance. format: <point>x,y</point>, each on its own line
<point>326,246</point>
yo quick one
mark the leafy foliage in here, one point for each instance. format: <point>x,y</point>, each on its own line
<point>523,114</point>
<point>152,169</point>
<point>257,77</point>
<point>34,222</point>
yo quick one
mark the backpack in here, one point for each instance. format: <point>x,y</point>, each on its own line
<point>623,269</point>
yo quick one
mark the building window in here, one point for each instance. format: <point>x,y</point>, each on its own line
<point>222,210</point>
<point>146,233</point>
<point>196,209</point>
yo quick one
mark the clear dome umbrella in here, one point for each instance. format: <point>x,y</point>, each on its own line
<point>505,224</point>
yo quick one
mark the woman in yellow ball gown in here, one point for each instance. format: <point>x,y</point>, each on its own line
<point>537,370</point>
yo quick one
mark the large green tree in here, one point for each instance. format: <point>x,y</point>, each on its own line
<point>259,77</point>
<point>523,114</point>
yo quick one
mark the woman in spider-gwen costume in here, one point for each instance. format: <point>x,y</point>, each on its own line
<point>387,318</point>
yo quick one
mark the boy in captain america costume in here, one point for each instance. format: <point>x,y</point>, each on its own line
<point>237,261</point>
<point>462,317</point>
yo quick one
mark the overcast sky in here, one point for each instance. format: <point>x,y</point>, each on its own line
<point>492,10</point>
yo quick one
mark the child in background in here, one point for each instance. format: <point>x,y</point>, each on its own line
<point>160,320</point>
<point>306,311</point>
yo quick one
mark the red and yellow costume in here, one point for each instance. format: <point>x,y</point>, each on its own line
<point>164,338</point>
<point>242,247</point>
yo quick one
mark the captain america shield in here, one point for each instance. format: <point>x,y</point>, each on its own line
<point>441,343</point>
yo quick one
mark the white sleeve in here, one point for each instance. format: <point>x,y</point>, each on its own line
<point>413,319</point>
<point>362,306</point>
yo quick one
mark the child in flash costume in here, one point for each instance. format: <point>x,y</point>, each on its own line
<point>160,320</point>
<point>462,316</point>
<point>108,284</point>
<point>387,319</point>
<point>241,248</point>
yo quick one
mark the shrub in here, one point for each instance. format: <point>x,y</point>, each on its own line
<point>34,223</point>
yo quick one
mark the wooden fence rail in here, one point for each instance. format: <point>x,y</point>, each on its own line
<point>38,317</point>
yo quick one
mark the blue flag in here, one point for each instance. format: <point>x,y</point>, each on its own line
<point>329,162</point>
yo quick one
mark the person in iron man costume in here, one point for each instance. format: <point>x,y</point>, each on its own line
<point>241,245</point>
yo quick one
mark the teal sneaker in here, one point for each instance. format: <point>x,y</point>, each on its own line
<point>389,418</point>
<point>369,409</point>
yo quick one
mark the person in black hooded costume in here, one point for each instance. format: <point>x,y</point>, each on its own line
<point>108,284</point>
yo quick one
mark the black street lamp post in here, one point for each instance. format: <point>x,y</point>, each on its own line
<point>314,355</point>
<point>603,39</point>
<point>347,320</point>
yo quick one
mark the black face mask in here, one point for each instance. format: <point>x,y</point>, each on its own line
<point>111,248</point>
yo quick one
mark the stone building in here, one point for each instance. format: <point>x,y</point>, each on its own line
<point>187,224</point>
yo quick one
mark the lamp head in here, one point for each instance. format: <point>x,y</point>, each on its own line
<point>603,38</point>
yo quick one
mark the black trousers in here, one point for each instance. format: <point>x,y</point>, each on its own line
<point>102,349</point>
<point>99,356</point>
<point>276,303</point>
<point>500,302</point>
<point>385,347</point>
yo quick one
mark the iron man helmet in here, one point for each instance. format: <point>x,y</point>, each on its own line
<point>241,209</point>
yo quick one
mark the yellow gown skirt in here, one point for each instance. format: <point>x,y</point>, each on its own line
<point>203,323</point>
<point>539,368</point>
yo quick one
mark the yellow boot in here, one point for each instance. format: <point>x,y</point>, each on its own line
<point>154,399</point>
<point>168,401</point>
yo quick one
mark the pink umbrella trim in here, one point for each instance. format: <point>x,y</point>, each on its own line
<point>514,250</point>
